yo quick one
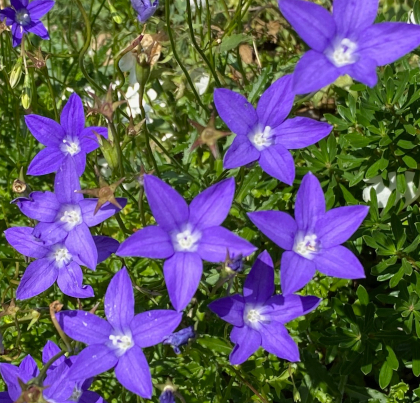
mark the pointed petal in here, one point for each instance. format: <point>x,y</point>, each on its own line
<point>310,203</point>
<point>39,276</point>
<point>152,242</point>
<point>84,327</point>
<point>73,117</point>
<point>40,206</point>
<point>79,162</point>
<point>90,397</point>
<point>278,226</point>
<point>313,72</point>
<point>49,351</point>
<point>276,102</point>
<point>38,8</point>
<point>241,152</point>
<point>92,361</point>
<point>17,34</point>
<point>276,340</point>
<point>106,246</point>
<point>10,373</point>
<point>9,14</point>
<point>151,327</point>
<point>388,41</point>
<point>248,342</point>
<point>238,114</point>
<point>169,216</point>
<point>67,182</point>
<point>106,211</point>
<point>295,272</point>
<point>59,387</point>
<point>45,130</point>
<point>5,398</point>
<point>364,71</point>
<point>38,28</point>
<point>28,369</point>
<point>314,24</point>
<point>46,161</point>
<point>230,309</point>
<point>182,276</point>
<point>211,207</point>
<point>339,262</point>
<point>88,140</point>
<point>18,4</point>
<point>80,243</point>
<point>119,301</point>
<point>70,282</point>
<point>300,132</point>
<point>50,233</point>
<point>278,163</point>
<point>133,372</point>
<point>259,284</point>
<point>215,241</point>
<point>24,242</point>
<point>354,16</point>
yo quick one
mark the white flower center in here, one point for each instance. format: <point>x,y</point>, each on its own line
<point>186,241</point>
<point>76,395</point>
<point>261,138</point>
<point>70,146</point>
<point>22,17</point>
<point>61,255</point>
<point>307,245</point>
<point>70,216</point>
<point>343,53</point>
<point>253,316</point>
<point>121,343</point>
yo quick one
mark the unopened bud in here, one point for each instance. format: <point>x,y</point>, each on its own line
<point>143,70</point>
<point>109,151</point>
<point>27,92</point>
<point>16,73</point>
<point>19,186</point>
<point>115,14</point>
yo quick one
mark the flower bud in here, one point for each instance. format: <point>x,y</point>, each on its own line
<point>109,151</point>
<point>16,73</point>
<point>26,97</point>
<point>167,395</point>
<point>18,186</point>
<point>115,14</point>
<point>142,70</point>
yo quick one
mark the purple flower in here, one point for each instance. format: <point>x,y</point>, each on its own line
<point>118,342</point>
<point>167,395</point>
<point>144,8</point>
<point>312,241</point>
<point>179,338</point>
<point>264,134</point>
<point>186,235</point>
<point>65,216</point>
<point>259,317</point>
<point>54,263</point>
<point>25,18</point>
<point>346,42</point>
<point>69,140</point>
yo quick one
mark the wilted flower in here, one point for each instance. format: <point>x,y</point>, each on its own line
<point>24,17</point>
<point>179,338</point>
<point>346,42</point>
<point>145,8</point>
<point>186,235</point>
<point>312,241</point>
<point>118,342</point>
<point>259,317</point>
<point>264,134</point>
<point>105,107</point>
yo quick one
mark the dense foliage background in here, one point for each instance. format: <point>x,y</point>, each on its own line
<point>363,342</point>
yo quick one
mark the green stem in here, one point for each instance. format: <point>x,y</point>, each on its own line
<point>43,372</point>
<point>118,146</point>
<point>50,88</point>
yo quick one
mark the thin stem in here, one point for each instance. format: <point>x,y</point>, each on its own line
<point>43,372</point>
<point>250,386</point>
<point>118,146</point>
<point>50,88</point>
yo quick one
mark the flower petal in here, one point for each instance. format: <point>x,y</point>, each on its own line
<point>70,282</point>
<point>280,227</point>
<point>40,206</point>
<point>241,152</point>
<point>338,225</point>
<point>211,207</point>
<point>24,242</point>
<point>119,301</point>
<point>38,8</point>
<point>90,397</point>
<point>169,216</point>
<point>45,130</point>
<point>295,272</point>
<point>106,246</point>
<point>10,375</point>
<point>364,71</point>
<point>339,262</point>
<point>9,14</point>
<point>80,243</point>
<point>79,162</point>
<point>38,28</point>
<point>5,398</point>
<point>152,242</point>
<point>50,233</point>
<point>276,102</point>
<point>17,34</point>
<point>276,340</point>
<point>182,276</point>
<point>278,163</point>
<point>88,140</point>
<point>72,117</point>
<point>151,327</point>
<point>133,372</point>
<point>67,182</point>
<point>49,351</point>
<point>247,340</point>
<point>46,161</point>
<point>314,24</point>
<point>216,241</point>
<point>238,114</point>
<point>106,211</point>
<point>230,309</point>
<point>300,132</point>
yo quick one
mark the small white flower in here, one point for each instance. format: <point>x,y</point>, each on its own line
<point>128,64</point>
<point>201,83</point>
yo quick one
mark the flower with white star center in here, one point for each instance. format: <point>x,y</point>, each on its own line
<point>121,343</point>
<point>71,216</point>
<point>70,146</point>
<point>261,139</point>
<point>306,245</point>
<point>343,53</point>
<point>61,255</point>
<point>22,17</point>
<point>186,241</point>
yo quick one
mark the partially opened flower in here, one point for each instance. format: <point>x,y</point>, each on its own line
<point>167,395</point>
<point>54,263</point>
<point>118,342</point>
<point>65,216</point>
<point>186,235</point>
<point>145,8</point>
<point>259,317</point>
<point>264,134</point>
<point>69,140</point>
<point>312,241</point>
<point>24,17</point>
<point>180,338</point>
<point>346,42</point>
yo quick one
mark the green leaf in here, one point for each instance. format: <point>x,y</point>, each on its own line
<point>385,375</point>
<point>363,295</point>
<point>215,344</point>
<point>410,162</point>
<point>416,358</point>
<point>231,42</point>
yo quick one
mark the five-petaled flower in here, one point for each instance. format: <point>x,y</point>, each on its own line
<point>118,342</point>
<point>24,17</point>
<point>312,241</point>
<point>346,42</point>
<point>69,140</point>
<point>259,316</point>
<point>186,235</point>
<point>145,8</point>
<point>264,134</point>
<point>65,216</point>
